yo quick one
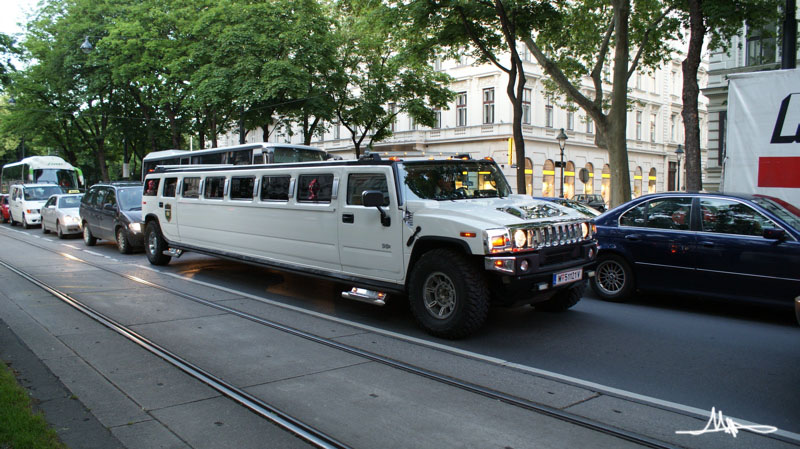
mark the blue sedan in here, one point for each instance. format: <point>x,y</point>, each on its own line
<point>730,246</point>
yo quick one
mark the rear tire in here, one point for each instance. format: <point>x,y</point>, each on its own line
<point>613,279</point>
<point>123,244</point>
<point>448,295</point>
<point>564,299</point>
<point>155,245</point>
<point>88,238</point>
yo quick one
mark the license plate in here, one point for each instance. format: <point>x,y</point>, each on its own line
<point>565,277</point>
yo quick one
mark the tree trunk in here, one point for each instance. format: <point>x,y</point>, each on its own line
<point>691,91</point>
<point>618,116</point>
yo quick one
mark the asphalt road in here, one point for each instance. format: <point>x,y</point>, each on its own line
<point>741,359</point>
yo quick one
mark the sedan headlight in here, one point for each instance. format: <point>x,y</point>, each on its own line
<point>135,227</point>
<point>69,219</point>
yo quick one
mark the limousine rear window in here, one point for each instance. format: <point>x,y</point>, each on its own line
<point>191,188</point>
<point>214,187</point>
<point>169,187</point>
<point>275,188</point>
<point>242,187</point>
<point>315,188</point>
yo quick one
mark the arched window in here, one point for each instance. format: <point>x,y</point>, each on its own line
<point>548,178</point>
<point>588,187</point>
<point>605,185</point>
<point>569,180</point>
<point>637,182</point>
<point>651,181</point>
<point>528,176</point>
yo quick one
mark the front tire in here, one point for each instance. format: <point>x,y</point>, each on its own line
<point>44,228</point>
<point>155,245</point>
<point>564,299</point>
<point>448,295</point>
<point>59,231</point>
<point>88,238</point>
<point>613,279</point>
<point>25,224</point>
<point>123,244</point>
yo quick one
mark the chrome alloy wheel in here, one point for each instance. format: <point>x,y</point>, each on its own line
<point>152,243</point>
<point>440,295</point>
<point>610,277</point>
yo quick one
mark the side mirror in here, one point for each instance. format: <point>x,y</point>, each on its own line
<point>374,198</point>
<point>775,234</point>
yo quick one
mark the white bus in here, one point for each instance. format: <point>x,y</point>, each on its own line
<point>247,154</point>
<point>43,169</point>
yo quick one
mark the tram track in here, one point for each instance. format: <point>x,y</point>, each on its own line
<point>267,411</point>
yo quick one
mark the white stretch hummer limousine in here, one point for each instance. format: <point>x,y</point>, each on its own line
<point>448,233</point>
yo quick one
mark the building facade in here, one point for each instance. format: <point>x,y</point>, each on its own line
<point>479,123</point>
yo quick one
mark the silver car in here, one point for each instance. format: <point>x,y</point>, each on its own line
<point>60,214</point>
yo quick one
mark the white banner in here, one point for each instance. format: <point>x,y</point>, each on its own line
<point>763,134</point>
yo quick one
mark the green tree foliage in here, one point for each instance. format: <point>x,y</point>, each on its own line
<point>378,77</point>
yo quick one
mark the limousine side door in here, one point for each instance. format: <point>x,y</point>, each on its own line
<point>367,247</point>
<point>167,208</point>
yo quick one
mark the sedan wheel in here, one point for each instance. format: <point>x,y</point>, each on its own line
<point>59,230</point>
<point>613,279</point>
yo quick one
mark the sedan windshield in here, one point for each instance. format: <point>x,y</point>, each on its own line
<point>453,180</point>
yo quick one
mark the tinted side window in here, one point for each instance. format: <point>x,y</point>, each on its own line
<point>275,188</point>
<point>50,202</point>
<point>151,187</point>
<point>732,217</point>
<point>669,213</point>
<point>99,197</point>
<point>170,184</point>
<point>214,187</point>
<point>315,188</point>
<point>242,187</point>
<point>357,183</point>
<point>634,217</point>
<point>111,197</point>
<point>88,198</point>
<point>191,188</point>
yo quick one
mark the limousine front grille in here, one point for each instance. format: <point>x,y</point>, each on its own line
<point>550,235</point>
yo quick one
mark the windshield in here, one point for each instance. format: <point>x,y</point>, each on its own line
<point>40,193</point>
<point>64,178</point>
<point>130,198</point>
<point>66,202</point>
<point>453,180</point>
<point>785,212</point>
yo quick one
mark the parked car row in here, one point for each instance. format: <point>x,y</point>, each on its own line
<point>110,211</point>
<point>731,246</point>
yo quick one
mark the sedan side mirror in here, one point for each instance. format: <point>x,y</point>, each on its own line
<point>775,234</point>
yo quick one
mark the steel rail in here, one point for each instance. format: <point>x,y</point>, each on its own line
<point>448,380</point>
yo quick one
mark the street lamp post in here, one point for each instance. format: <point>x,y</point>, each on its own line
<point>562,142</point>
<point>679,154</point>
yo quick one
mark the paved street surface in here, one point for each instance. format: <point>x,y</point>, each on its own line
<point>651,367</point>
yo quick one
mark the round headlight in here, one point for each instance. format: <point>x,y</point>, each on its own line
<point>584,230</point>
<point>520,238</point>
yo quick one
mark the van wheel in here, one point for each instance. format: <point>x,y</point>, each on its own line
<point>448,295</point>
<point>613,279</point>
<point>564,299</point>
<point>25,224</point>
<point>155,245</point>
<point>88,238</point>
<point>123,245</point>
<point>59,231</point>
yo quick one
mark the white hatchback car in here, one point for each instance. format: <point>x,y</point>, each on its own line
<point>26,201</point>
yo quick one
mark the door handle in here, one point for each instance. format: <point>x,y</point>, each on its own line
<point>707,244</point>
<point>160,204</point>
<point>633,238</point>
<point>348,218</point>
